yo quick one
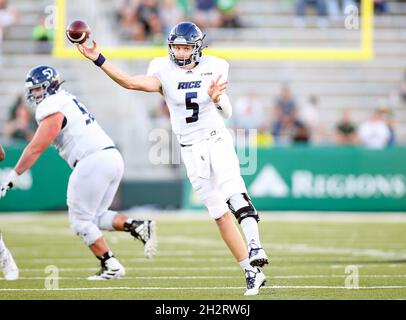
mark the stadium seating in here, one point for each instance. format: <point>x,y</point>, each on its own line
<point>126,115</point>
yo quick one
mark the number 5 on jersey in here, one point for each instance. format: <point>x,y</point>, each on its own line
<point>82,108</point>
<point>192,106</point>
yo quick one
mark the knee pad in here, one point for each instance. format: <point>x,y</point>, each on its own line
<point>241,207</point>
<point>86,230</point>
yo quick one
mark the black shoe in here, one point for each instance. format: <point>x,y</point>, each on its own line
<point>145,231</point>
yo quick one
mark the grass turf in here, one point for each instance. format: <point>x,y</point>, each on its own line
<point>308,260</point>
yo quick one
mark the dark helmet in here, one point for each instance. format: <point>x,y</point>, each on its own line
<point>43,77</point>
<point>189,34</point>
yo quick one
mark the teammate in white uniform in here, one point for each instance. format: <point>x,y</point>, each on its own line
<point>194,90</point>
<point>7,263</point>
<point>97,168</point>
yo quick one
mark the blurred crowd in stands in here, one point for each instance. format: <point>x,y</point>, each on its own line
<point>21,124</point>
<point>151,20</point>
<point>293,123</point>
<point>288,122</point>
<point>8,17</point>
<point>283,121</point>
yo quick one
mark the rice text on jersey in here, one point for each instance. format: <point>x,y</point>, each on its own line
<point>189,85</point>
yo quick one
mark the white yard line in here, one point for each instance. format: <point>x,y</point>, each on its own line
<point>198,288</point>
<point>217,268</point>
<point>315,276</point>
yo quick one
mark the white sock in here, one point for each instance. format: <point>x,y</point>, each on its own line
<point>250,228</point>
<point>2,245</point>
<point>245,265</point>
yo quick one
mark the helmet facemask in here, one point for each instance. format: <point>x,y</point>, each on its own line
<point>35,98</point>
<point>194,56</point>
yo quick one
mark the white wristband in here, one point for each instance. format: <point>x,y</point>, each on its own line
<point>224,106</point>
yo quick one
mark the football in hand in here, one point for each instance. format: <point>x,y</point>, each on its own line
<point>2,153</point>
<point>78,32</point>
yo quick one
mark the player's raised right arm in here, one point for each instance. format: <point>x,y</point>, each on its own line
<point>142,83</point>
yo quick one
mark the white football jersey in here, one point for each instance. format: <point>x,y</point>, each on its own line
<point>81,135</point>
<point>193,115</point>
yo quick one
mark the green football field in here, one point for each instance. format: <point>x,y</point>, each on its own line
<point>312,257</point>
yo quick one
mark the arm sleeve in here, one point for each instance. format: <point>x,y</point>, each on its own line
<point>224,106</point>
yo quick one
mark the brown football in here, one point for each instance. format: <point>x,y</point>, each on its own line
<point>2,153</point>
<point>78,32</point>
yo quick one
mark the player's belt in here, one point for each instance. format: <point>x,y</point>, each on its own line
<point>109,147</point>
<point>213,133</point>
<point>106,148</point>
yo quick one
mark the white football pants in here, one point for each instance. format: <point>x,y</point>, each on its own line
<point>91,189</point>
<point>213,169</point>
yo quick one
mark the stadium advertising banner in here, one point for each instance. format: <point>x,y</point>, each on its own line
<point>43,187</point>
<point>323,178</point>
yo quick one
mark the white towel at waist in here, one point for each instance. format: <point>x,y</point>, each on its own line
<point>201,156</point>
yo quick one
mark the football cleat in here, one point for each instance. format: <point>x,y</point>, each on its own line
<point>257,256</point>
<point>8,265</point>
<point>145,231</point>
<point>255,280</point>
<point>110,269</point>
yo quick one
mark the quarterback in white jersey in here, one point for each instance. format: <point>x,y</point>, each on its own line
<point>194,88</point>
<point>97,168</point>
<point>192,113</point>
